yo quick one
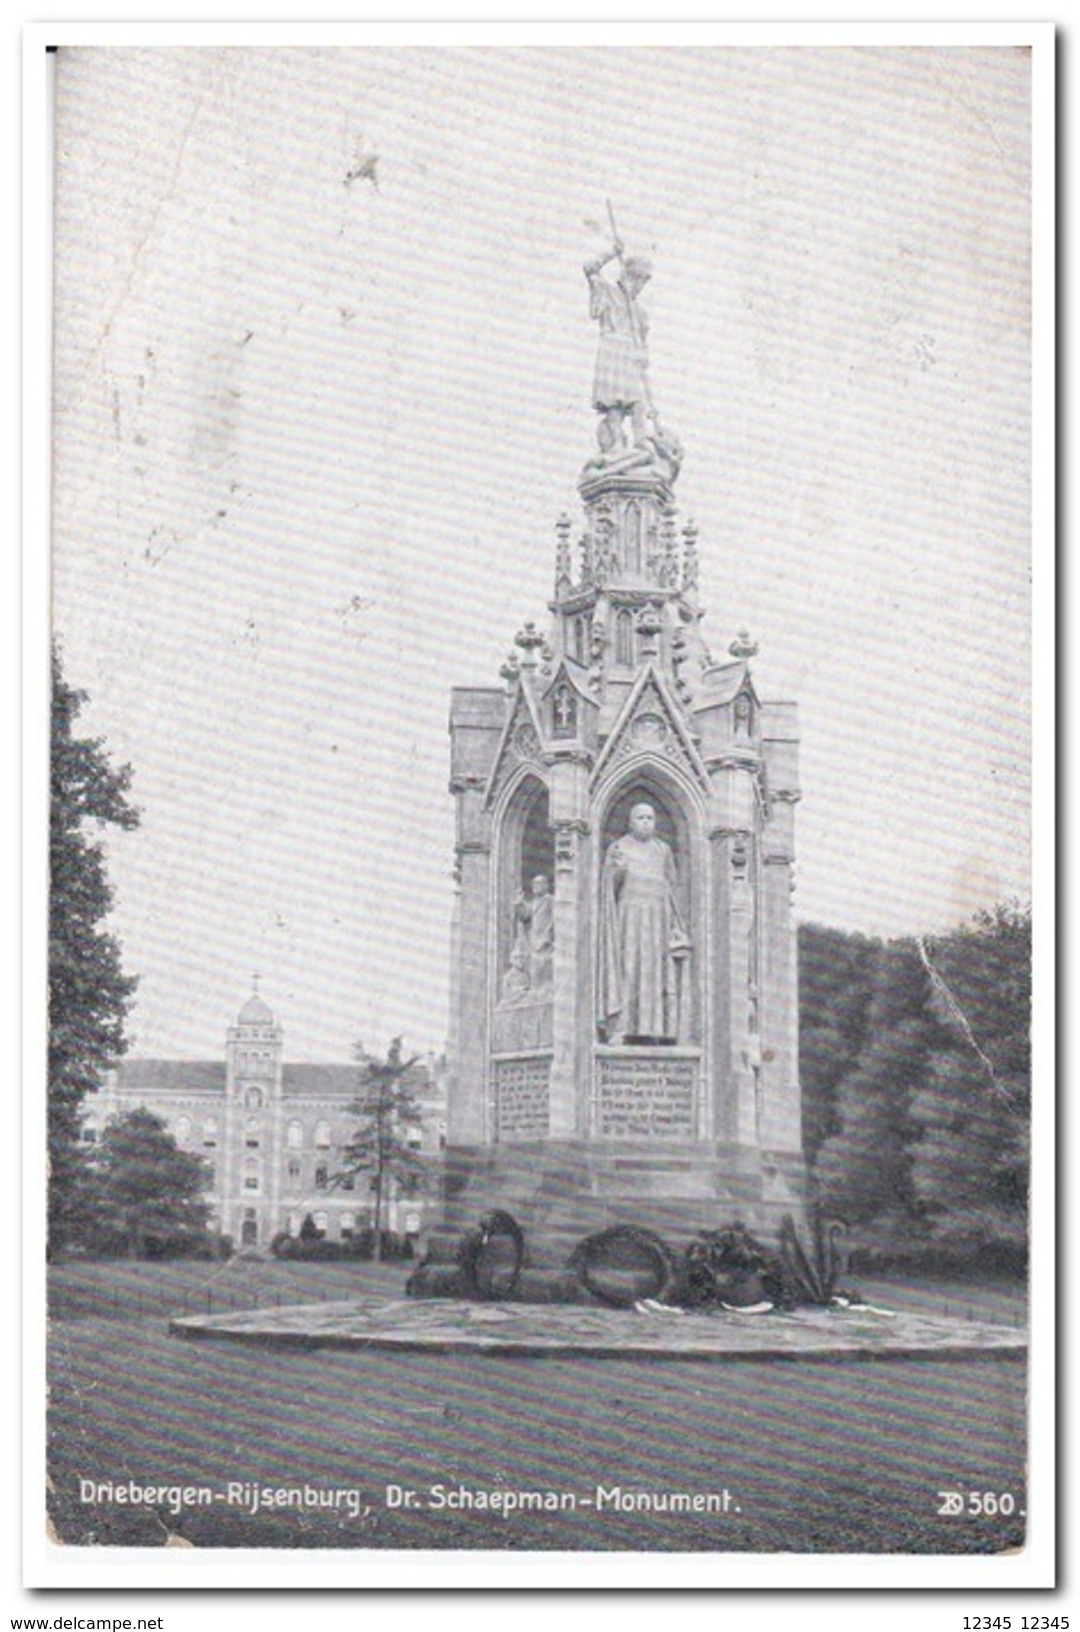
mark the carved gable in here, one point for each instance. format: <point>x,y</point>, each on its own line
<point>522,742</point>
<point>652,723</point>
<point>569,713</point>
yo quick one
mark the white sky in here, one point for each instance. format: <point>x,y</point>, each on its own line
<point>311,441</point>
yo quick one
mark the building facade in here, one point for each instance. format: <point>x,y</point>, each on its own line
<point>274,1132</point>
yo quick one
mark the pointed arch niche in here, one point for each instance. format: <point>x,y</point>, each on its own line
<point>525,850</point>
<point>675,824</point>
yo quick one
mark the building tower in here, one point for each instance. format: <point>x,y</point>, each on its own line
<point>624,1024</point>
<point>251,1144</point>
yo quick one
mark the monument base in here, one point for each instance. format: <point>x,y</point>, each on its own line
<point>562,1191</point>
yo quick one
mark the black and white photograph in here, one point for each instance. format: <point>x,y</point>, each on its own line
<point>542,542</point>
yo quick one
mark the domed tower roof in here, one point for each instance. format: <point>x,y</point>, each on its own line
<point>255,1012</point>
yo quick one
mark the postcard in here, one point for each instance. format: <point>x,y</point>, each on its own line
<point>543,1064</point>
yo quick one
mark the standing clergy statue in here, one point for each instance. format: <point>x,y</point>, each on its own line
<point>642,938</point>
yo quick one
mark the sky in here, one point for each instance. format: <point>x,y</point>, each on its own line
<point>322,363</point>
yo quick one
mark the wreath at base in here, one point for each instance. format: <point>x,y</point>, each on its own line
<point>481,1256</point>
<point>603,1263</point>
<point>731,1268</point>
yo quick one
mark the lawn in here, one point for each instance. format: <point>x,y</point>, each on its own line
<point>844,1457</point>
<point>117,1288</point>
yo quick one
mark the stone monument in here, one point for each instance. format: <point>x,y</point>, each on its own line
<point>623,1040</point>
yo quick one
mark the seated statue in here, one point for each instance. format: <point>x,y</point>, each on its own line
<point>529,975</point>
<point>515,982</point>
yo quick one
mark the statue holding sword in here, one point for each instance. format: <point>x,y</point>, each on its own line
<point>621,384</point>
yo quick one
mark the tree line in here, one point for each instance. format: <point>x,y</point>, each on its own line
<point>915,1059</point>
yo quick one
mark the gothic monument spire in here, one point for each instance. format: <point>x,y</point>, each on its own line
<point>623,985</point>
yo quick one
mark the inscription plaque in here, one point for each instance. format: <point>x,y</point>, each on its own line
<point>521,1099</point>
<point>645,1098</point>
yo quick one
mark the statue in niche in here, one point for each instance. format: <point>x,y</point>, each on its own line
<point>529,977</point>
<point>643,942</point>
<point>564,706</point>
<point>515,982</point>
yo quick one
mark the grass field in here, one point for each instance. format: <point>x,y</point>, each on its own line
<point>844,1457</point>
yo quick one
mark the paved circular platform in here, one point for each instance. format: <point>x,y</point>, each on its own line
<point>549,1331</point>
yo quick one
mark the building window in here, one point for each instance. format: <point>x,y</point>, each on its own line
<point>322,1136</point>
<point>89,1136</point>
<point>251,1134</point>
<point>348,1224</point>
<point>253,1099</point>
<point>251,1174</point>
<point>183,1130</point>
<point>294,1173</point>
<point>320,1223</point>
<point>295,1137</point>
<point>209,1132</point>
<point>294,1225</point>
<point>322,1176</point>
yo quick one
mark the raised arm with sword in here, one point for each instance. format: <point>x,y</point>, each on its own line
<point>621,383</point>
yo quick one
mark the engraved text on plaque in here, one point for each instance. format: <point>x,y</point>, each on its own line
<point>645,1098</point>
<point>521,1099</point>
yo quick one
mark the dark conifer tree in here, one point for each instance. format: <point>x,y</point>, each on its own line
<point>89,994</point>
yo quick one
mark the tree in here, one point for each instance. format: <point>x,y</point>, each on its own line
<point>148,1193</point>
<point>89,994</point>
<point>971,1115</point>
<point>836,984</point>
<point>864,1169</point>
<point>927,1148</point>
<point>388,1110</point>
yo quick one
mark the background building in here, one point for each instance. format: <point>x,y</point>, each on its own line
<point>273,1132</point>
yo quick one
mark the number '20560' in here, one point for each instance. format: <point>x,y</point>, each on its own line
<point>989,1503</point>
